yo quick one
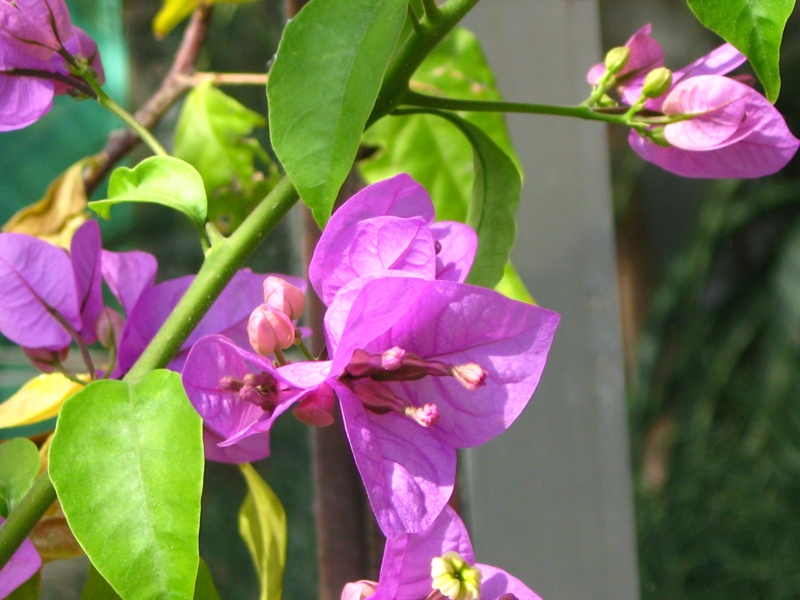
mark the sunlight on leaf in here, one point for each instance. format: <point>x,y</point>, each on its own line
<point>262,525</point>
<point>161,180</point>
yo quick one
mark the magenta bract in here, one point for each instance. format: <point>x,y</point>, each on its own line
<point>736,132</point>
<point>388,226</point>
<point>406,567</point>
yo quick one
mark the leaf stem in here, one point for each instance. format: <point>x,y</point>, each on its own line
<point>228,78</point>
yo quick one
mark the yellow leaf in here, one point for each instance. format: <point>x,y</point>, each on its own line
<point>55,217</point>
<point>38,400</point>
<point>174,11</point>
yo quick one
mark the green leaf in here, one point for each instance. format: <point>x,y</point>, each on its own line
<point>262,525</point>
<point>127,465</point>
<point>161,180</point>
<point>432,150</point>
<point>755,28</point>
<point>97,588</point>
<point>493,206</point>
<point>212,135</point>
<point>19,466</point>
<point>512,286</point>
<point>330,64</point>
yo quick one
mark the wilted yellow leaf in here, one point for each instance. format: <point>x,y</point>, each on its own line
<point>174,11</point>
<point>55,217</point>
<point>38,400</point>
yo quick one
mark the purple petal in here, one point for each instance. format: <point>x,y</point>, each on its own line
<point>458,242</point>
<point>230,421</point>
<point>128,275</point>
<point>228,315</point>
<point>456,324</point>
<point>35,280</point>
<point>407,472</point>
<point>251,449</point>
<point>720,61</point>
<point>497,582</point>
<point>399,196</point>
<point>766,148</point>
<point>35,27</point>
<point>86,260</point>
<point>24,563</point>
<point>23,100</point>
<point>406,566</point>
<point>721,105</point>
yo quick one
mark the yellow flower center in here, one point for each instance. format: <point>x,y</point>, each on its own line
<point>454,578</point>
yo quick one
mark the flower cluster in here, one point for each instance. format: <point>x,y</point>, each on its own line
<point>716,127</point>
<point>39,48</point>
<point>420,362</point>
<point>53,299</point>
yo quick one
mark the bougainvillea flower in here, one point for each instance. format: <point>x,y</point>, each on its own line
<point>422,367</point>
<point>239,395</point>
<point>24,563</point>
<point>437,564</point>
<point>735,131</point>
<point>227,316</point>
<point>38,28</point>
<point>37,293</point>
<point>33,36</point>
<point>389,226</point>
<point>645,55</point>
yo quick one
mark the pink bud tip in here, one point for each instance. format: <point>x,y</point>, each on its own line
<point>281,296</point>
<point>46,360</point>
<point>471,375</point>
<point>359,590</point>
<point>268,329</point>
<point>392,359</point>
<point>426,415</point>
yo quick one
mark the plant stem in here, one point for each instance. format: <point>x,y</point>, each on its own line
<point>411,55</point>
<point>222,262</point>
<point>144,134</point>
<point>228,78</point>
<point>580,112</point>
<point>23,518</point>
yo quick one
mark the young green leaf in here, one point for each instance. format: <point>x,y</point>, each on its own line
<point>19,466</point>
<point>127,464</point>
<point>213,135</point>
<point>322,88</point>
<point>262,525</point>
<point>755,28</point>
<point>161,180</point>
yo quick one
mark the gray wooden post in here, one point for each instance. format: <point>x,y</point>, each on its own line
<point>551,500</point>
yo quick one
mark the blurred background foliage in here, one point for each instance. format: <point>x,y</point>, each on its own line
<point>710,280</point>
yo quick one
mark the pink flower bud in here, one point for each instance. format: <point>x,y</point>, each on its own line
<point>269,329</point>
<point>359,590</point>
<point>317,409</point>
<point>281,296</point>
<point>46,360</point>
<point>471,375</point>
<point>109,327</point>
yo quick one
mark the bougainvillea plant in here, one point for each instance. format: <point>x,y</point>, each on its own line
<point>421,355</point>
